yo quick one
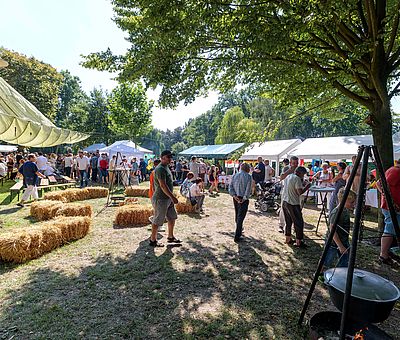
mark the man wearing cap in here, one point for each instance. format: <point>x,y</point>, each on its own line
<point>163,201</point>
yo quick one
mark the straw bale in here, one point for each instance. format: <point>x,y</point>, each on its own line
<point>133,215</point>
<point>184,206</point>
<point>137,191</point>
<point>75,209</point>
<point>97,192</point>
<point>45,210</point>
<point>32,242</point>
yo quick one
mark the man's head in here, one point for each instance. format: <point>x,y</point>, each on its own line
<point>245,167</point>
<point>294,161</point>
<point>341,166</point>
<point>198,180</point>
<point>351,199</point>
<point>201,160</point>
<point>40,153</point>
<point>97,152</point>
<point>31,157</point>
<point>300,171</point>
<point>166,157</point>
<point>193,158</point>
<point>156,162</point>
<point>309,166</point>
<point>134,159</point>
<point>285,161</point>
<point>259,159</point>
<point>266,162</point>
<point>80,153</point>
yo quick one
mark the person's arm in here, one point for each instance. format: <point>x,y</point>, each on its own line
<point>346,174</point>
<point>165,189</point>
<point>248,190</point>
<point>287,173</point>
<point>339,243</point>
<point>231,189</point>
<point>301,190</point>
<point>337,177</point>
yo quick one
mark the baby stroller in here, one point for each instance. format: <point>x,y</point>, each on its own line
<point>267,193</point>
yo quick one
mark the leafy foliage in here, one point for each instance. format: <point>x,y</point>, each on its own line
<point>130,111</point>
<point>38,82</point>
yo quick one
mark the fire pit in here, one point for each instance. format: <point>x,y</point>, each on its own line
<point>326,326</point>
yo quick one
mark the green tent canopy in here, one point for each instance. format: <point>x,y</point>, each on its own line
<point>221,151</point>
<point>21,123</point>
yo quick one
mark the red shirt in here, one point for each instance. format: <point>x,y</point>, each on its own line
<point>393,179</point>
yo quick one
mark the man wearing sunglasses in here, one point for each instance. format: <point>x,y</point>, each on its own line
<point>163,201</point>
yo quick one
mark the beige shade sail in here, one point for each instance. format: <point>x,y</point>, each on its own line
<point>23,124</point>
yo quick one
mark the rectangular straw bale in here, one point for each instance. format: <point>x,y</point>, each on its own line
<point>72,228</point>
<point>184,206</point>
<point>135,191</point>
<point>45,210</point>
<point>133,215</point>
<point>75,209</point>
<point>97,192</point>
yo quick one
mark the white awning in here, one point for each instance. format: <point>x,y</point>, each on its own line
<point>21,123</point>
<point>273,150</point>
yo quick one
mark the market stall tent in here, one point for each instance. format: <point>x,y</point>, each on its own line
<point>8,148</point>
<point>273,150</point>
<point>330,148</point>
<point>125,147</point>
<point>219,151</point>
<point>94,147</point>
<point>21,123</point>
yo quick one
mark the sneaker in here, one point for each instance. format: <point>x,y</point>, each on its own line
<point>280,229</point>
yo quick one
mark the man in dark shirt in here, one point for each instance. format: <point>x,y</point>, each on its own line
<point>163,201</point>
<point>31,173</point>
<point>259,171</point>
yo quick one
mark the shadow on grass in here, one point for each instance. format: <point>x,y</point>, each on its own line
<point>146,295</point>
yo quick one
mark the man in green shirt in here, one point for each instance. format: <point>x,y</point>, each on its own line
<point>163,201</point>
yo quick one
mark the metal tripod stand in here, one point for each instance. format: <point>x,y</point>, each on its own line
<point>364,153</point>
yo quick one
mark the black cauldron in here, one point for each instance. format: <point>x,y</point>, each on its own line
<point>372,297</point>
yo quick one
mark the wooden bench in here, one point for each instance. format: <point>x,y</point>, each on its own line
<point>15,189</point>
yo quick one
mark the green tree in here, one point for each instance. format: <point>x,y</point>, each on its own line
<point>130,111</point>
<point>303,50</point>
<point>38,82</point>
<point>154,141</point>
<point>227,133</point>
<point>178,147</point>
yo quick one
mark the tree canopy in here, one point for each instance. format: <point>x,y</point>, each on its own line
<point>302,50</point>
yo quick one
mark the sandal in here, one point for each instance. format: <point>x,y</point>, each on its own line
<point>155,243</point>
<point>291,242</point>
<point>173,240</point>
<point>383,260</point>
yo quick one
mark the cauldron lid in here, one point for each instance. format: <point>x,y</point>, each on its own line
<point>366,285</point>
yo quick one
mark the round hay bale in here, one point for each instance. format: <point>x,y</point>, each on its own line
<point>135,191</point>
<point>45,210</point>
<point>133,215</point>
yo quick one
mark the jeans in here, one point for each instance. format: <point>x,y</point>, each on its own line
<point>83,177</point>
<point>293,216</point>
<point>67,171</point>
<point>240,214</point>
<point>334,253</point>
<point>94,174</point>
<point>200,201</point>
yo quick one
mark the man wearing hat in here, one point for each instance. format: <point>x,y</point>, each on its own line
<point>163,201</point>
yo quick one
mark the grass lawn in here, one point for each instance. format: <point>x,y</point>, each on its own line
<point>112,285</point>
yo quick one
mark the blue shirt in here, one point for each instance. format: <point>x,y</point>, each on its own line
<point>241,185</point>
<point>28,170</point>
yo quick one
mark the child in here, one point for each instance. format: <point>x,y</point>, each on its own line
<point>340,245</point>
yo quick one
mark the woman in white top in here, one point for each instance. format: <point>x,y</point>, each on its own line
<point>197,194</point>
<point>324,176</point>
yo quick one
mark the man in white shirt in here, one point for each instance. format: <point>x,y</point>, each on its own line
<point>68,163</point>
<point>3,168</point>
<point>82,163</point>
<point>269,171</point>
<point>194,167</point>
<point>41,162</point>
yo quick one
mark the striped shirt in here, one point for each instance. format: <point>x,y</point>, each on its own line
<point>241,185</point>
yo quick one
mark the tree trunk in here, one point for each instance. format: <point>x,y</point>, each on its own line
<point>382,135</point>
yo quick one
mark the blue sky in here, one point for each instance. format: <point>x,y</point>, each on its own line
<point>59,31</point>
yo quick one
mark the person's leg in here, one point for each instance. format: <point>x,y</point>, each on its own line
<point>35,194</point>
<point>388,234</point>
<point>298,222</point>
<point>160,211</point>
<point>200,201</point>
<point>236,206</point>
<point>281,223</point>
<point>171,216</point>
<point>242,211</point>
<point>330,256</point>
<point>288,221</point>
<point>27,193</point>
<point>81,177</point>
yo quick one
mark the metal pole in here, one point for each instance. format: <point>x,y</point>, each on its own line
<point>386,191</point>
<point>354,242</point>
<point>333,230</point>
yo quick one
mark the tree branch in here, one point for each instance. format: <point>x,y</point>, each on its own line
<point>362,17</point>
<point>393,34</point>
<point>395,90</point>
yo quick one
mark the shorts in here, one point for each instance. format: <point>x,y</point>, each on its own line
<point>163,209</point>
<point>389,227</point>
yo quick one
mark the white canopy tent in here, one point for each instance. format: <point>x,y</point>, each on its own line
<point>330,148</point>
<point>94,147</point>
<point>125,147</point>
<point>8,148</point>
<point>22,123</point>
<point>272,150</point>
<point>146,151</point>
